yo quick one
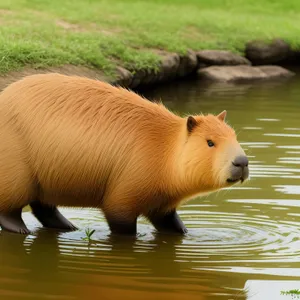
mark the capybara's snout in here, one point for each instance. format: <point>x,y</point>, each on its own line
<point>239,170</point>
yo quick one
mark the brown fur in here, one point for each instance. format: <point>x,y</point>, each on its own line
<point>74,141</point>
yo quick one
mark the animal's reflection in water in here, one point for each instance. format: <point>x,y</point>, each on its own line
<point>46,265</point>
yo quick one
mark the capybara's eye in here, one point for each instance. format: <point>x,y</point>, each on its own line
<point>210,143</point>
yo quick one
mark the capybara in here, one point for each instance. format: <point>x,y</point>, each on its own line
<point>78,142</point>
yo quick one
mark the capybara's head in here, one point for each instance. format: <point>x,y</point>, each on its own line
<point>213,157</point>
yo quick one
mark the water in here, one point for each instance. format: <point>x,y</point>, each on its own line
<point>243,242</point>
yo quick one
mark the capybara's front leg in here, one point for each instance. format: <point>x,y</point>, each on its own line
<point>50,216</point>
<point>168,222</point>
<point>12,221</point>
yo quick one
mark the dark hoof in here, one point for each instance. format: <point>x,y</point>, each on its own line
<point>169,223</point>
<point>184,231</point>
<point>24,231</point>
<point>63,226</point>
<point>177,231</point>
<point>12,222</point>
<point>57,221</point>
<point>50,217</point>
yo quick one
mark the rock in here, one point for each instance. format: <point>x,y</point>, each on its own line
<point>220,57</point>
<point>243,73</point>
<point>172,66</point>
<point>166,71</point>
<point>138,77</point>
<point>276,71</point>
<point>169,66</point>
<point>260,53</point>
<point>150,77</point>
<point>188,64</point>
<point>216,65</point>
<point>124,77</point>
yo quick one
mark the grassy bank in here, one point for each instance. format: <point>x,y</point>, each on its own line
<point>102,33</point>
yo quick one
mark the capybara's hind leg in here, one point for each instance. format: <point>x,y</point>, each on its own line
<point>16,180</point>
<point>121,226</point>
<point>12,221</point>
<point>169,222</point>
<point>50,216</point>
<point>120,221</point>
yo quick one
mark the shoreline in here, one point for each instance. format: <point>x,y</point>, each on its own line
<point>261,61</point>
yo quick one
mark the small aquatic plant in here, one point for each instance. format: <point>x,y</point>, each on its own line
<point>294,293</point>
<point>89,232</point>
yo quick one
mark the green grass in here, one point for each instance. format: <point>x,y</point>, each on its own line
<point>103,33</point>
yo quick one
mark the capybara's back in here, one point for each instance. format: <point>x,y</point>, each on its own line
<point>74,141</point>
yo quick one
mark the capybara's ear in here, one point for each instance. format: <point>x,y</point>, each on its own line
<point>221,116</point>
<point>191,123</point>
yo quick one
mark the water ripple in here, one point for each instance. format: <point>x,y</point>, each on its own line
<point>242,233</point>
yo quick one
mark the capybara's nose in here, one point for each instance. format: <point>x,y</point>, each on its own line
<point>239,170</point>
<point>241,161</point>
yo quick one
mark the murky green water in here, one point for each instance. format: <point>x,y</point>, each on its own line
<point>243,243</point>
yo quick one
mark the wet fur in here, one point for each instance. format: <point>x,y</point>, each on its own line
<point>78,142</point>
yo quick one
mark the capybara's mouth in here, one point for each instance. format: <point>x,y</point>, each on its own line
<point>231,180</point>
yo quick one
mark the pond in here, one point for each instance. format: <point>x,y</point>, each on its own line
<point>243,242</point>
